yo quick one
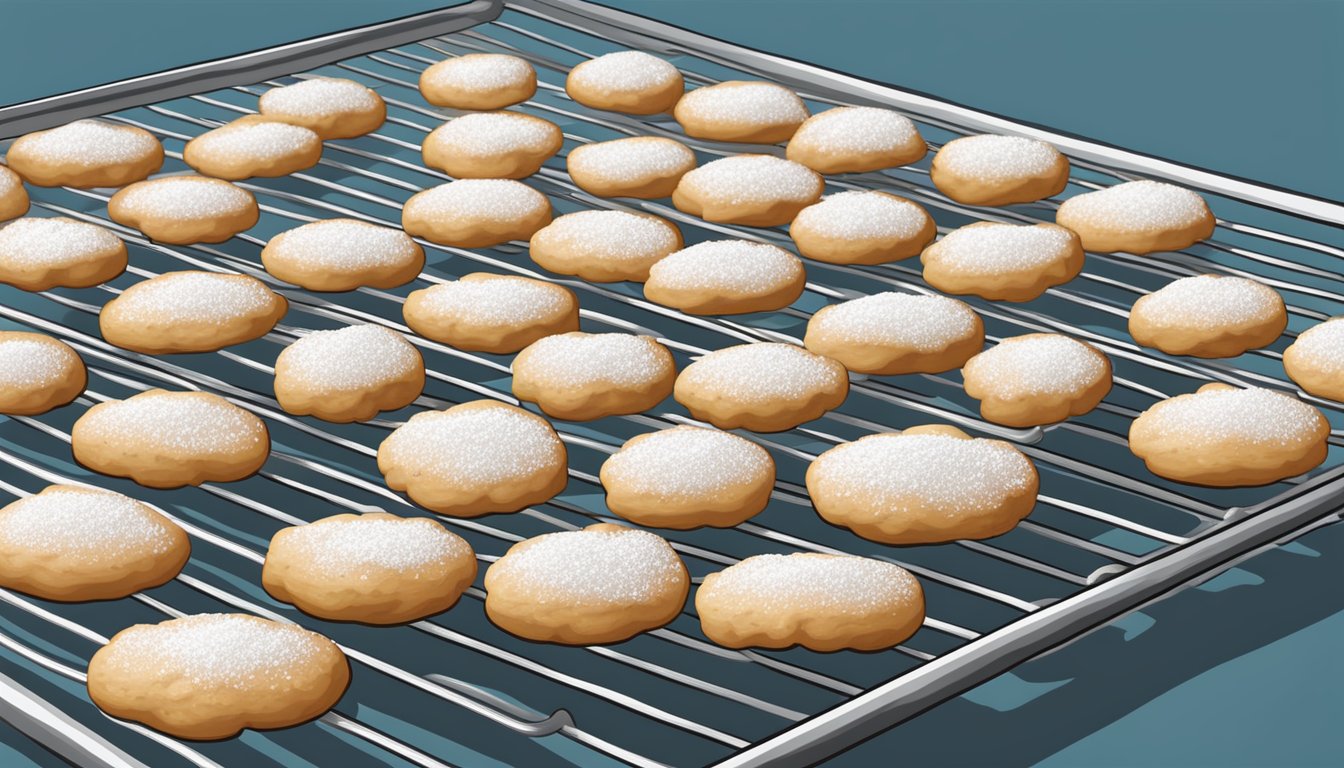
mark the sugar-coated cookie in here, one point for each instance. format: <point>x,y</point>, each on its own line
<point>1038,378</point>
<point>1316,360</point>
<point>990,169</point>
<point>604,246</point>
<point>331,107</point>
<point>926,485</point>
<point>492,145</point>
<point>645,167</point>
<point>193,311</point>
<point>73,543</point>
<point>479,81</point>
<point>38,373</point>
<point>741,110</point>
<point>375,568</point>
<point>166,439</point>
<point>893,333</point>
<point>757,190</point>
<point>211,675</point>
<point>253,145</point>
<point>855,140</point>
<point>476,213</point>
<point>1138,217</point>
<point>342,255</point>
<point>14,198</point>
<point>1003,262</point>
<point>764,387</point>
<point>86,153</point>
<point>475,458</point>
<point>726,277</point>
<point>688,477</point>
<point>626,81</point>
<point>821,602</point>
<point>582,376</point>
<point>182,210</point>
<point>1209,316</point>
<point>484,312</point>
<point>603,584</point>
<point>861,227</point>
<point>39,254</point>
<point>1224,436</point>
<point>349,374</point>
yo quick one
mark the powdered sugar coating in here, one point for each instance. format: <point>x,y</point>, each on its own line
<point>922,323</point>
<point>493,445</point>
<point>482,72</point>
<point>192,198</point>
<point>1141,206</point>
<point>348,547</point>
<point>754,179</point>
<point>91,143</point>
<point>764,372</point>
<point>54,243</point>
<point>741,102</point>
<point>9,180</point>
<point>1322,346</point>
<point>1210,302</point>
<point>176,422</point>
<point>632,160</point>
<point>1254,417</point>
<point>350,359</point>
<point>262,141</point>
<point>30,361</point>
<point>625,72</point>
<point>859,215</point>
<point>857,129</point>
<point>686,463</point>
<point>505,300</point>
<point>88,526</point>
<point>198,297</point>
<point>346,245</point>
<point>602,567</point>
<point>992,158</point>
<point>487,199</point>
<point>318,97</point>
<point>1037,364</point>
<point>613,236</point>
<point>993,248</point>
<point>492,133</point>
<point>837,584</point>
<point>737,266</point>
<point>581,359</point>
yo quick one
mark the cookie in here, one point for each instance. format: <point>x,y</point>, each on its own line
<point>582,376</point>
<point>862,228</point>
<point>1225,437</point>
<point>894,333</point>
<point>602,584</point>
<point>483,312</point>
<point>492,145</point>
<point>475,458</point>
<point>764,387</point>
<point>476,213</point>
<point>999,170</point>
<point>479,81</point>
<point>1316,360</point>
<point>645,167</point>
<point>604,246</point>
<point>37,373</point>
<point>726,277</point>
<point>1038,378</point>
<point>1209,316</point>
<point>687,477</point>
<point>375,568</point>
<point>741,110</point>
<point>182,210</point>
<point>253,145</point>
<point>626,81</point>
<point>757,190</point>
<point>14,198</point>
<point>166,439</point>
<point>349,374</point>
<point>1138,217</point>
<point>84,154</point>
<point>856,140</point>
<point>191,312</point>
<point>40,254</point>
<point>72,543</point>
<point>926,485</point>
<point>331,107</point>
<point>821,602</point>
<point>211,675</point>
<point>342,255</point>
<point>1003,262</point>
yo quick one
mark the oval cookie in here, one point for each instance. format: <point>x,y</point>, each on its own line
<point>1039,378</point>
<point>645,167</point>
<point>999,170</point>
<point>862,228</point>
<point>764,387</point>
<point>492,145</point>
<point>1137,217</point>
<point>349,374</point>
<point>38,373</point>
<point>726,277</point>
<point>1209,316</point>
<point>626,81</point>
<point>855,140</point>
<point>253,145</point>
<point>1003,262</point>
<point>342,255</point>
<point>479,81</point>
<point>191,312</point>
<point>604,246</point>
<point>331,107</point>
<point>476,213</point>
<point>182,210</point>
<point>483,312</point>
<point>582,376</point>
<point>14,198</point>
<point>86,153</point>
<point>40,254</point>
<point>741,110</point>
<point>1316,360</point>
<point>757,190</point>
<point>893,333</point>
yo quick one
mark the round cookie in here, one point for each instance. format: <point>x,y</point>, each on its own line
<point>38,373</point>
<point>726,277</point>
<point>492,145</point>
<point>583,376</point>
<point>999,170</point>
<point>821,602</point>
<point>602,584</point>
<point>474,459</point>
<point>1003,262</point>
<point>626,81</point>
<point>476,213</point>
<point>1038,378</point>
<point>40,254</point>
<point>862,228</point>
<point>342,255</point>
<point>182,210</point>
<point>756,190</point>
<point>480,81</point>
<point>84,154</point>
<point>645,167</point>
<point>211,675</point>
<point>349,374</point>
<point>894,333</point>
<point>1209,316</point>
<point>856,140</point>
<point>926,485</point>
<point>741,110</point>
<point>1316,360</point>
<point>1226,437</point>
<point>764,387</point>
<point>253,145</point>
<point>1138,217</point>
<point>14,198</point>
<point>191,312</point>
<point>687,477</point>
<point>483,312</point>
<point>72,543</point>
<point>604,246</point>
<point>331,107</point>
<point>166,439</point>
<point>375,568</point>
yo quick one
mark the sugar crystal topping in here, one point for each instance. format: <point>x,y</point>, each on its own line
<point>482,72</point>
<point>345,245</point>
<point>1142,206</point>
<point>833,583</point>
<point>91,143</point>
<point>728,265</point>
<point>751,103</point>
<point>1210,302</point>
<point>186,197</point>
<point>923,323</point>
<point>54,242</point>
<point>487,199</point>
<point>860,215</point>
<point>1322,346</point>
<point>505,300</point>
<point>9,180</point>
<point>1037,364</point>
<point>476,445</point>
<point>625,72</point>
<point>350,546</point>
<point>85,525</point>
<point>631,160</point>
<point>350,359</point>
<point>603,567</point>
<point>199,297</point>
<point>764,371</point>
<point>611,235</point>
<point>319,96</point>
<point>580,359</point>
<point>268,140</point>
<point>995,249</point>
<point>993,158</point>
<point>173,422</point>
<point>857,129</point>
<point>31,361</point>
<point>687,462</point>
<point>754,178</point>
<point>492,133</point>
<point>1255,416</point>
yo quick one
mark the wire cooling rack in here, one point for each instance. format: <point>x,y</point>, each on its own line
<point>1107,536</point>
